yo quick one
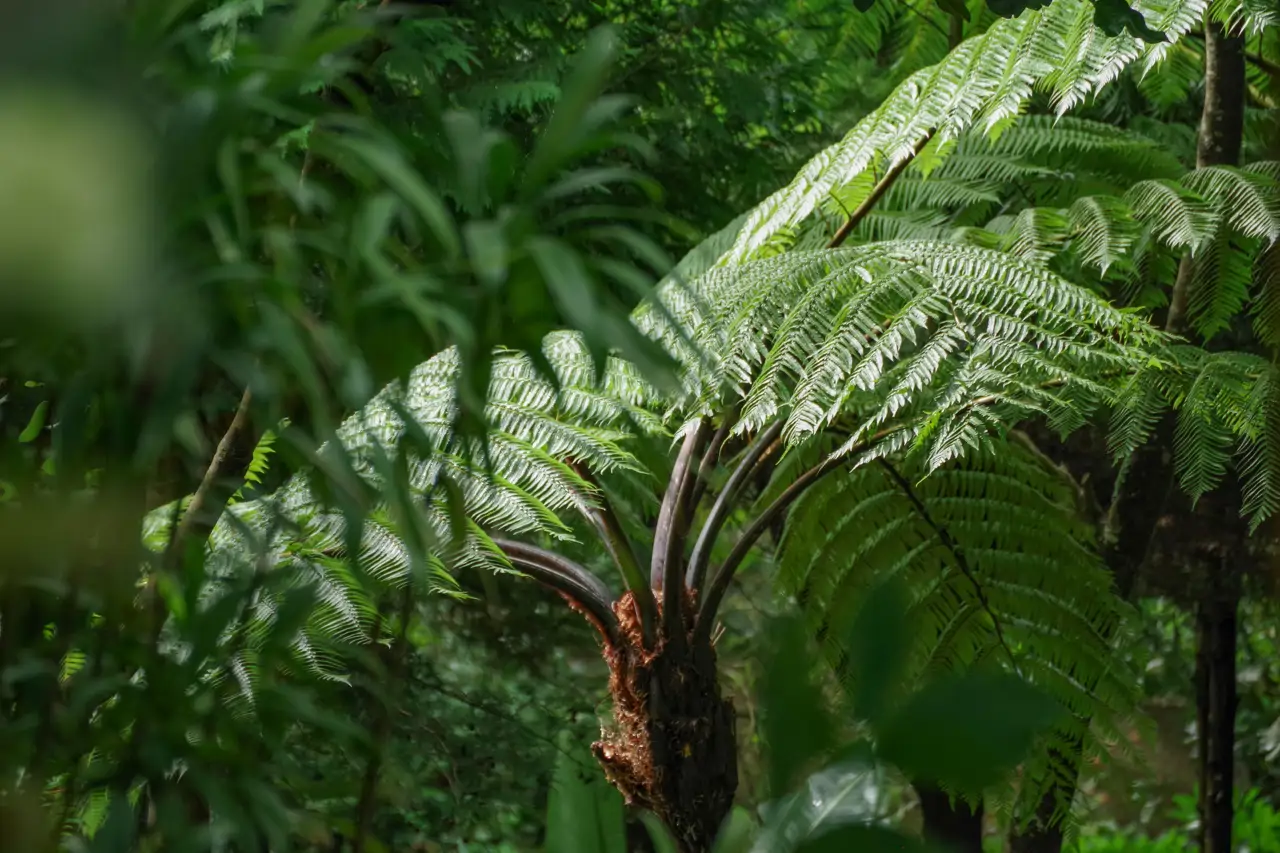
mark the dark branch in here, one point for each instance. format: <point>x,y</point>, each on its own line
<point>724,504</point>
<point>664,534</point>
<point>673,525</point>
<point>877,192</point>
<point>712,457</point>
<point>723,576</point>
<point>605,520</point>
<point>583,589</point>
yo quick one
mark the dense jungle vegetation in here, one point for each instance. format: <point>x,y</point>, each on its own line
<point>640,426</point>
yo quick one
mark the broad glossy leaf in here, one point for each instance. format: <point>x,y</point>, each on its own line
<point>966,732</point>
<point>796,725</point>
<point>878,644</point>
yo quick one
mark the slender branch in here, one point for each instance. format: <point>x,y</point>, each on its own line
<point>585,592</point>
<point>881,187</point>
<point>723,576</point>
<point>668,516</point>
<point>673,525</point>
<point>712,457</point>
<point>606,522</point>
<point>724,504</point>
<point>944,536</point>
<point>194,509</point>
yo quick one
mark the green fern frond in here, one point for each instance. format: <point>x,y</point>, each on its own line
<point>995,552</point>
<point>1247,201</point>
<point>1249,16</point>
<point>1036,234</point>
<point>932,327</point>
<point>982,83</point>
<point>258,464</point>
<point>1220,284</point>
<point>1104,230</point>
<point>1266,305</point>
<point>1226,405</point>
<point>1179,218</point>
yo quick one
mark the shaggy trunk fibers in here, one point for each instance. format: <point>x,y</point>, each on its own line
<point>673,746</point>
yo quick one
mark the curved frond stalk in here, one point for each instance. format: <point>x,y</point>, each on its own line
<point>582,589</point>
<point>724,504</point>
<point>669,536</point>
<point>711,458</point>
<point>607,524</point>
<point>709,604</point>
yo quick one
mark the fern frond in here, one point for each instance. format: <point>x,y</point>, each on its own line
<point>1179,218</point>
<point>1226,405</point>
<point>1220,285</point>
<point>1104,230</point>
<point>982,83</point>
<point>1266,305</point>
<point>995,553</point>
<point>934,326</point>
<point>1247,201</point>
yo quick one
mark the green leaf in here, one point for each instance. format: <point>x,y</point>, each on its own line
<point>36,423</point>
<point>584,812</point>
<point>563,134</point>
<point>965,733</point>
<point>662,840</point>
<point>1113,17</point>
<point>795,722</point>
<point>737,833</point>
<point>878,644</point>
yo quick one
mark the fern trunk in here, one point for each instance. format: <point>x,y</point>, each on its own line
<point>673,746</point>
<point>1220,137</point>
<point>1134,515</point>
<point>1216,624</point>
<point>950,823</point>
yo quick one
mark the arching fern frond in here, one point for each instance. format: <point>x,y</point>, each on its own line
<point>1227,405</point>
<point>517,481</point>
<point>906,336</point>
<point>981,84</point>
<point>996,553</point>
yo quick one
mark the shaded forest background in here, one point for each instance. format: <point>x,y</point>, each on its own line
<point>225,225</point>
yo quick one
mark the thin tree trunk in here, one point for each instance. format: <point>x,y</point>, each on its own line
<point>1221,134</point>
<point>952,825</point>
<point>1216,623</point>
<point>1150,485</point>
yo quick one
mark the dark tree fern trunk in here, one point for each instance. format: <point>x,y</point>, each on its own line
<point>1216,623</point>
<point>673,748</point>
<point>1149,494</point>
<point>952,825</point>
